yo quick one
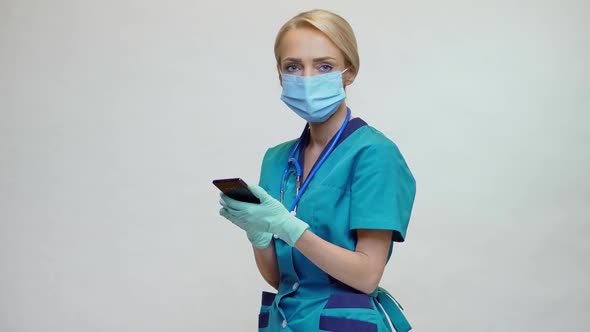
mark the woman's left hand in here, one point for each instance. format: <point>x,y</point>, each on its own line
<point>268,216</point>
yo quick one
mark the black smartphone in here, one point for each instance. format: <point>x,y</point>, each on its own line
<point>237,189</point>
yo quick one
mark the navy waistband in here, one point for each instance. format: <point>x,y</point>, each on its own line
<point>328,323</point>
<point>268,298</point>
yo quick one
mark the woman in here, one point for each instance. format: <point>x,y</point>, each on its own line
<point>332,201</point>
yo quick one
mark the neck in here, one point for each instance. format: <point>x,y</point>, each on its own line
<point>320,133</point>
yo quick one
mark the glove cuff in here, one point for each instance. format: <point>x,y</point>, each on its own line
<point>292,230</point>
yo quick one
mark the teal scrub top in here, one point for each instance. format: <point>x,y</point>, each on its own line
<point>364,183</point>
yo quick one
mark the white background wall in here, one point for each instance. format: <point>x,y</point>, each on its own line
<point>116,116</point>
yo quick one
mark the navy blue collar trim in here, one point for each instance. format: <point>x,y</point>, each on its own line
<point>352,126</point>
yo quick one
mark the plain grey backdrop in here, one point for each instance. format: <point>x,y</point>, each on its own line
<point>116,116</point>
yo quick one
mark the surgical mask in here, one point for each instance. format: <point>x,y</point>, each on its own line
<point>314,98</point>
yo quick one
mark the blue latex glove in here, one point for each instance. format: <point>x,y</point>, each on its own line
<point>269,216</point>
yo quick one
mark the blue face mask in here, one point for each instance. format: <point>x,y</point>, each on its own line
<point>314,98</point>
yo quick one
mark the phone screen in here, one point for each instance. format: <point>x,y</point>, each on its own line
<point>237,189</point>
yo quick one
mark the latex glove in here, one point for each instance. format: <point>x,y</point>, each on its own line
<point>268,216</point>
<point>260,240</point>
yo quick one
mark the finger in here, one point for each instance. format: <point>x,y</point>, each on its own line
<point>234,220</point>
<point>224,213</point>
<point>236,217</point>
<point>230,214</point>
<point>257,191</point>
<point>235,213</point>
<point>222,202</point>
<point>234,204</point>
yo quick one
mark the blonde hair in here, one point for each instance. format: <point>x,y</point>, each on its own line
<point>332,25</point>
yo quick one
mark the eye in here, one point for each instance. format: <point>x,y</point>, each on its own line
<point>325,68</point>
<point>291,68</point>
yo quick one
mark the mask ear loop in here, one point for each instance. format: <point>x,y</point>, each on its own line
<point>342,72</point>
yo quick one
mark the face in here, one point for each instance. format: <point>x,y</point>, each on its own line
<point>308,52</point>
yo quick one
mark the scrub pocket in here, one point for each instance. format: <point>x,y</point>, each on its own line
<point>349,312</point>
<point>264,316</point>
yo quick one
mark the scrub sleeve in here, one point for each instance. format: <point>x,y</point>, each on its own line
<point>382,191</point>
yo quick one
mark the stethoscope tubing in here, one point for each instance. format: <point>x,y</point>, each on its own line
<point>299,172</point>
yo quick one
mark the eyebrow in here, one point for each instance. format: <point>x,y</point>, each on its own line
<point>322,59</point>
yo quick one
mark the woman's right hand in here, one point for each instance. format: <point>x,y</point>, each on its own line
<point>268,216</point>
<point>260,240</point>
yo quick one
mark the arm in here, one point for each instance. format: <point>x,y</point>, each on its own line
<point>361,269</point>
<point>266,260</point>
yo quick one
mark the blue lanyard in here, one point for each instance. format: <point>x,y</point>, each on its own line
<point>299,171</point>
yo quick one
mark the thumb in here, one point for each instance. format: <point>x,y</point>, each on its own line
<point>258,191</point>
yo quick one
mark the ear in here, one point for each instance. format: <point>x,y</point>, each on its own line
<point>349,76</point>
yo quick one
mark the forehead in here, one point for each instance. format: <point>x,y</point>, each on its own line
<point>307,42</point>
